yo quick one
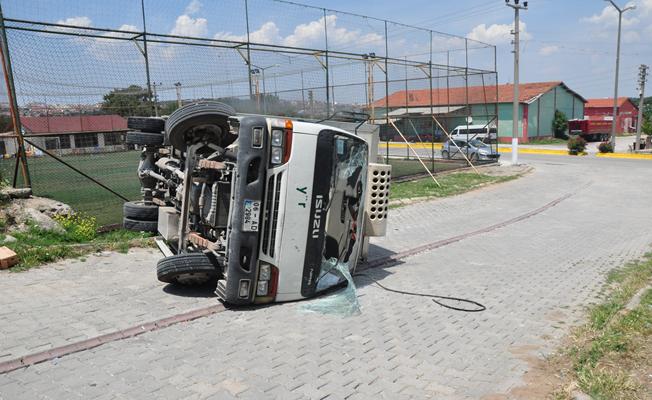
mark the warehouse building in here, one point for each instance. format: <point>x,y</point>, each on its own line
<point>410,110</point>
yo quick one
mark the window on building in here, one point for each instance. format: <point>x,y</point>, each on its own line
<point>52,143</point>
<point>64,141</point>
<point>113,139</point>
<point>86,140</point>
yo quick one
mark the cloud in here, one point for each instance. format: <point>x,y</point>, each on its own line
<point>310,34</point>
<point>76,21</point>
<point>193,7</point>
<point>548,50</point>
<point>497,33</point>
<point>186,25</point>
<point>609,16</point>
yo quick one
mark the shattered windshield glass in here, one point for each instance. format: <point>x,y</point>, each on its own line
<point>338,200</point>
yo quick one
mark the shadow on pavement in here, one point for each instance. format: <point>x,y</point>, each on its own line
<point>205,290</point>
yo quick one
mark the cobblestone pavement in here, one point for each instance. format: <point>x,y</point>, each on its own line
<point>535,276</point>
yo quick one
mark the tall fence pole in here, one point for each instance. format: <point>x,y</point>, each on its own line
<point>251,93</point>
<point>328,90</point>
<point>146,55</point>
<point>432,113</point>
<point>13,104</point>
<point>386,95</point>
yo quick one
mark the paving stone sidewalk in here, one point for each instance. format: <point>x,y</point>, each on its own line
<point>534,276</point>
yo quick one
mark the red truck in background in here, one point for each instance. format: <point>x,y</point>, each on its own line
<point>592,130</point>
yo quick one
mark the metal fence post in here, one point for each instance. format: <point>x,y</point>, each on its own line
<point>386,95</point>
<point>328,90</point>
<point>251,93</point>
<point>432,113</point>
<point>146,55</point>
<point>13,104</point>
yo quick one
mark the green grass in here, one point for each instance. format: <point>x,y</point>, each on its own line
<point>455,183</point>
<point>615,343</point>
<point>36,247</point>
<point>547,141</point>
<point>54,180</point>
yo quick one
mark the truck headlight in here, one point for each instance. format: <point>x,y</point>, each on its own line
<point>277,155</point>
<point>277,137</point>
<point>265,272</point>
<point>262,288</point>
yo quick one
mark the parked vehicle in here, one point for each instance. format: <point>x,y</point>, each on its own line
<point>268,207</point>
<point>474,150</point>
<point>468,132</point>
<point>589,129</point>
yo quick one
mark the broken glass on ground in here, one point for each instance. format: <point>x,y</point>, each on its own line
<point>344,302</point>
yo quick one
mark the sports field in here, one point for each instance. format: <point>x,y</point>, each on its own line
<point>52,179</point>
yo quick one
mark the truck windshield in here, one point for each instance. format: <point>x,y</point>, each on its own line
<point>336,219</point>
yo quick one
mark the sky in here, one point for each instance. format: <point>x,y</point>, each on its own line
<point>572,41</point>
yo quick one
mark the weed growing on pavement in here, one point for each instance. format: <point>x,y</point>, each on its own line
<point>36,246</point>
<point>610,356</point>
<point>451,185</point>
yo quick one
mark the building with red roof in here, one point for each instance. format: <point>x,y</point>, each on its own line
<point>486,105</point>
<point>70,134</point>
<point>602,109</point>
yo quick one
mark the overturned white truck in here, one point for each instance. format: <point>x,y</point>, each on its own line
<point>266,206</point>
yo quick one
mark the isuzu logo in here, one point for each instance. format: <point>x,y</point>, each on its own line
<point>316,217</point>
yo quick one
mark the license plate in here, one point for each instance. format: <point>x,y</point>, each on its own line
<point>251,216</point>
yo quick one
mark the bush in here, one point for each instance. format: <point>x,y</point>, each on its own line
<point>82,228</point>
<point>560,124</point>
<point>576,145</point>
<point>606,147</point>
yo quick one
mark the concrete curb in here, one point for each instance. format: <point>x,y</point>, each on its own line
<point>631,156</point>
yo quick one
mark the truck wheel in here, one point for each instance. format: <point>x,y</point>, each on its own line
<point>186,269</point>
<point>146,124</point>
<point>144,138</point>
<point>445,154</point>
<point>207,120</point>
<point>135,225</point>
<point>140,211</point>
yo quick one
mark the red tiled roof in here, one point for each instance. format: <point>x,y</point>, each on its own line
<point>476,95</point>
<point>605,102</point>
<point>78,123</point>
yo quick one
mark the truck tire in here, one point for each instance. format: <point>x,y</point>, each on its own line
<point>144,138</point>
<point>135,225</point>
<point>186,269</point>
<point>208,120</point>
<point>140,211</point>
<point>146,124</point>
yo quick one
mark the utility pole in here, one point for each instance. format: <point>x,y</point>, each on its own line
<point>642,77</point>
<point>517,8</point>
<point>178,86</point>
<point>615,110</point>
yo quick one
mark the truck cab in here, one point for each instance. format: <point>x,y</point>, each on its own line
<point>272,204</point>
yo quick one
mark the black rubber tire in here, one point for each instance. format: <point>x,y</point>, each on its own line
<point>131,224</point>
<point>188,268</point>
<point>446,155</point>
<point>179,125</point>
<point>146,124</point>
<point>140,211</point>
<point>144,138</point>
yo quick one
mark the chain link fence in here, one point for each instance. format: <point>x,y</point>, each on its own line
<point>80,68</point>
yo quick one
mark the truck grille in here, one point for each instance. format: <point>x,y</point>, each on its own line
<point>270,220</point>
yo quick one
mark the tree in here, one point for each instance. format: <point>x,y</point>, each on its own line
<point>130,101</point>
<point>560,124</point>
<point>6,123</point>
